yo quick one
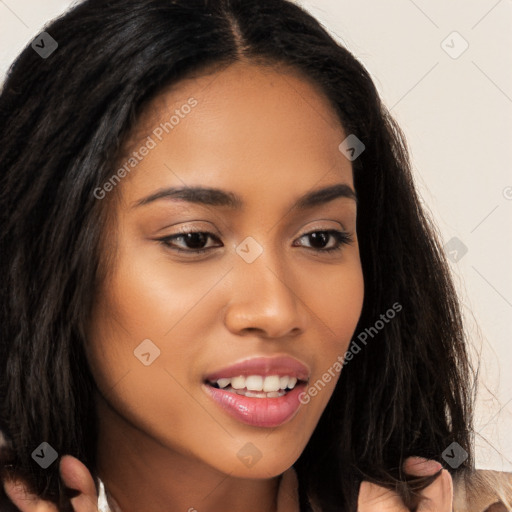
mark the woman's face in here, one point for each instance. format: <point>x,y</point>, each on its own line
<point>168,319</point>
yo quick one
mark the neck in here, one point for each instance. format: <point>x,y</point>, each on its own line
<point>140,473</point>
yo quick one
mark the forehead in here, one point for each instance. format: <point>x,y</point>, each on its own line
<point>252,128</point>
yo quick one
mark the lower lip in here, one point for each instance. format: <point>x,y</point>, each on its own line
<point>258,412</point>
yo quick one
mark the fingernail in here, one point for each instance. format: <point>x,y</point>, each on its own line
<point>427,466</point>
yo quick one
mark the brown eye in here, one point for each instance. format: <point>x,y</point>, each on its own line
<point>320,239</point>
<point>194,241</point>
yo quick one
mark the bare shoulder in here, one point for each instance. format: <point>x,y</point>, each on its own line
<point>480,490</point>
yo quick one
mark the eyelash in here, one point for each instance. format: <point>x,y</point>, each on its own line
<point>341,237</point>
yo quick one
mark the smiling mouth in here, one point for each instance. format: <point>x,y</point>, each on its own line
<point>257,386</point>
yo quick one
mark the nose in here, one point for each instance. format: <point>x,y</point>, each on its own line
<point>265,300</point>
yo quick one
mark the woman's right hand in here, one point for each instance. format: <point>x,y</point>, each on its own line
<point>74,475</point>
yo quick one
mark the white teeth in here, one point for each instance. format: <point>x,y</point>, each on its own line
<point>223,382</point>
<point>238,382</point>
<point>261,394</point>
<point>271,383</point>
<point>252,394</point>
<point>268,384</point>
<point>254,383</point>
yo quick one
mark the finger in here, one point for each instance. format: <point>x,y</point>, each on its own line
<point>24,500</point>
<point>438,495</point>
<point>374,498</point>
<point>418,466</point>
<point>75,475</point>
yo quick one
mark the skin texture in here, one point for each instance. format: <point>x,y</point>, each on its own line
<point>269,136</point>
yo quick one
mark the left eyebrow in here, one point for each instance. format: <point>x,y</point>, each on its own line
<point>224,198</point>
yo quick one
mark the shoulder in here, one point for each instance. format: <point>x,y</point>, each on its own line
<point>480,489</point>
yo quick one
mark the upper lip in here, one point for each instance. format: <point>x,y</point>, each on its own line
<point>264,366</point>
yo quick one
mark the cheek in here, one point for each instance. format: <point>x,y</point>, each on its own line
<point>337,303</point>
<point>343,303</point>
<point>337,306</point>
<point>151,297</point>
<point>133,360</point>
<point>150,306</point>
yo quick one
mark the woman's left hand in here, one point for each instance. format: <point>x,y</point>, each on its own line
<point>438,495</point>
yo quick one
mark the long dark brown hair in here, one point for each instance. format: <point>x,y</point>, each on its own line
<point>63,122</point>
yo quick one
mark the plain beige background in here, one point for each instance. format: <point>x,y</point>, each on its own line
<point>444,69</point>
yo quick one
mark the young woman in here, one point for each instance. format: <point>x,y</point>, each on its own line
<point>221,291</point>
